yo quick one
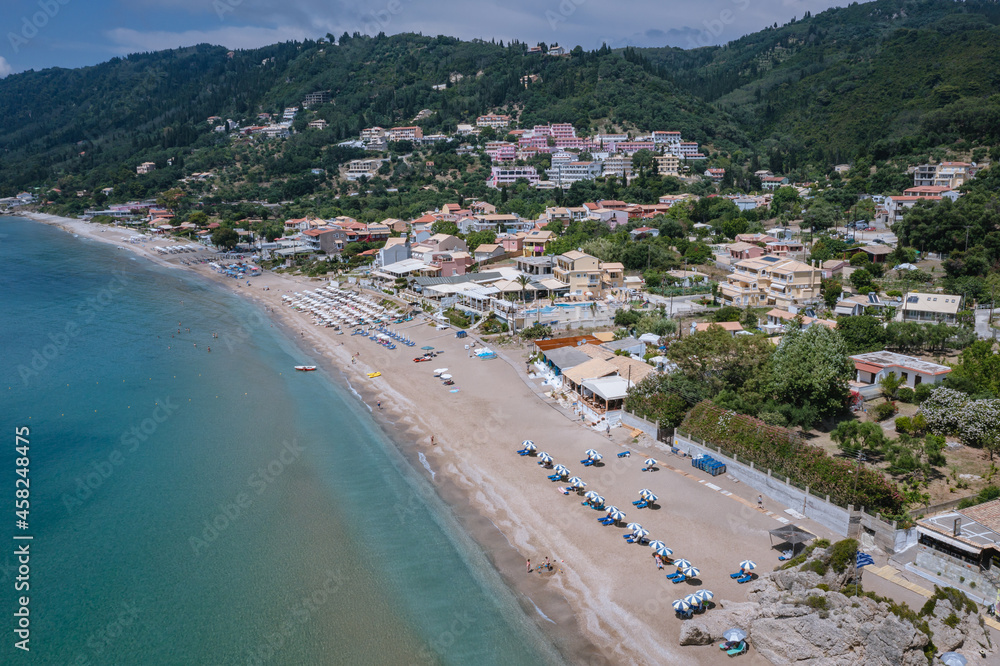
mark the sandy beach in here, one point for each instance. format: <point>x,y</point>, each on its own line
<point>602,589</point>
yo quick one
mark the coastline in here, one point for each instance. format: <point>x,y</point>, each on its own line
<point>605,603</point>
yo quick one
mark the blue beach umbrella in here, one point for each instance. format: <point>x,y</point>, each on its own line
<point>682,564</point>
<point>545,457</point>
<point>704,595</point>
<point>664,552</point>
<point>615,513</point>
<point>681,606</point>
<point>561,470</point>
<point>577,482</point>
<point>693,600</point>
<point>690,572</point>
<point>633,526</point>
<point>528,445</point>
<point>591,495</point>
<point>651,498</point>
<point>748,565</point>
<point>596,457</point>
<point>590,453</point>
<point>657,544</point>
<point>650,462</point>
<point>640,533</point>
<point>645,492</point>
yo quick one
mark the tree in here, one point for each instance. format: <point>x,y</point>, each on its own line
<point>832,290</point>
<point>477,238</point>
<point>852,435</point>
<point>861,279</point>
<point>626,318</point>
<point>889,384</point>
<point>444,227</point>
<point>862,334</point>
<point>812,367</point>
<point>225,238</point>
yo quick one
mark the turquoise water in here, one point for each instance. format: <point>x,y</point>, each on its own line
<point>196,507</point>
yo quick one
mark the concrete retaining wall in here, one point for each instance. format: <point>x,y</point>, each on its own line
<point>823,512</point>
<point>639,423</point>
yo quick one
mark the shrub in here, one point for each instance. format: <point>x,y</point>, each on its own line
<point>987,494</point>
<point>816,601</point>
<point>952,620</point>
<point>922,392</point>
<point>906,394</point>
<point>823,586</point>
<point>843,554</point>
<point>904,424</point>
<point>883,410</point>
<point>816,566</point>
<point>784,453</point>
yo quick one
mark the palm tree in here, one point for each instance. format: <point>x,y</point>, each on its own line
<point>523,280</point>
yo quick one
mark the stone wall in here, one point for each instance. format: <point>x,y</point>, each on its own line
<point>639,423</point>
<point>778,488</point>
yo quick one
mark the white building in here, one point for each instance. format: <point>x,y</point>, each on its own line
<point>508,175</point>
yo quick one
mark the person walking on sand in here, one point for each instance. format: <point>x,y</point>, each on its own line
<point>379,404</point>
<point>760,502</point>
<point>529,566</point>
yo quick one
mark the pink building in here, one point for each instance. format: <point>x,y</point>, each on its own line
<point>578,143</point>
<point>563,131</point>
<point>630,147</point>
<point>501,151</point>
<point>535,141</point>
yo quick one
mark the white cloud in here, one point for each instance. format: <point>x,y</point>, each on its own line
<point>127,40</point>
<point>5,68</point>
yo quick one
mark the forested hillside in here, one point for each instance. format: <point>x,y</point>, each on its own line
<point>885,77</point>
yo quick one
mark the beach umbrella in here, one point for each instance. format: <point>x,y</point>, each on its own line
<point>561,470</point>
<point>748,565</point>
<point>590,453</point>
<point>615,513</point>
<point>428,348</point>
<point>693,600</point>
<point>651,498</point>
<point>704,595</point>
<point>446,377</point>
<point>690,572</point>
<point>640,533</point>
<point>953,659</point>
<point>598,501</point>
<point>438,371</point>
<point>527,444</point>
<point>682,564</point>
<point>734,635</point>
<point>591,495</point>
<point>664,552</point>
<point>633,526</point>
<point>681,606</point>
<point>657,544</point>
<point>596,457</point>
<point>650,462</point>
<point>645,492</point>
<point>577,482</point>
<point>544,457</point>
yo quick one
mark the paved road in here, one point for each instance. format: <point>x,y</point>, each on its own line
<point>983,329</point>
<point>682,305</point>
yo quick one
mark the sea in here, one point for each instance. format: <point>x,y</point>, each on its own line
<point>196,506</point>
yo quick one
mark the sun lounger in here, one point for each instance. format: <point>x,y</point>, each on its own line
<point>737,574</point>
<point>728,645</point>
<point>642,505</point>
<point>554,477</point>
<point>739,649</point>
<point>606,521</point>
<point>680,579</point>
<point>638,502</point>
<point>522,452</point>
<point>676,574</point>
<point>624,454</point>
<point>745,579</point>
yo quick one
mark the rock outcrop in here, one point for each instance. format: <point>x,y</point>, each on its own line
<point>797,616</point>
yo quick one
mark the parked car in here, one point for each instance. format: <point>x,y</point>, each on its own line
<point>870,229</point>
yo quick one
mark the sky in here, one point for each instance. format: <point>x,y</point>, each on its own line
<point>76,33</point>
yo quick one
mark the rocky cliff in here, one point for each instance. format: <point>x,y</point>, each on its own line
<point>810,614</point>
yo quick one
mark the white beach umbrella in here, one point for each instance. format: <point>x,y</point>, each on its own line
<point>596,457</point>
<point>693,600</point>
<point>615,513</point>
<point>690,572</point>
<point>734,635</point>
<point>651,498</point>
<point>704,595</point>
<point>590,453</point>
<point>640,533</point>
<point>748,565</point>
<point>561,470</point>
<point>681,606</point>
<point>656,544</point>
<point>650,462</point>
<point>445,376</point>
<point>438,371</point>
<point>645,492</point>
<point>633,526</point>
<point>681,564</point>
<point>544,457</point>
<point>576,482</point>
<point>598,501</point>
<point>591,495</point>
<point>664,552</point>
<point>528,444</point>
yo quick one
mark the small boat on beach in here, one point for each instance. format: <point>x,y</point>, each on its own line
<point>305,368</point>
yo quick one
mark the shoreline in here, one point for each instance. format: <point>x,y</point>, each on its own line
<point>606,602</point>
